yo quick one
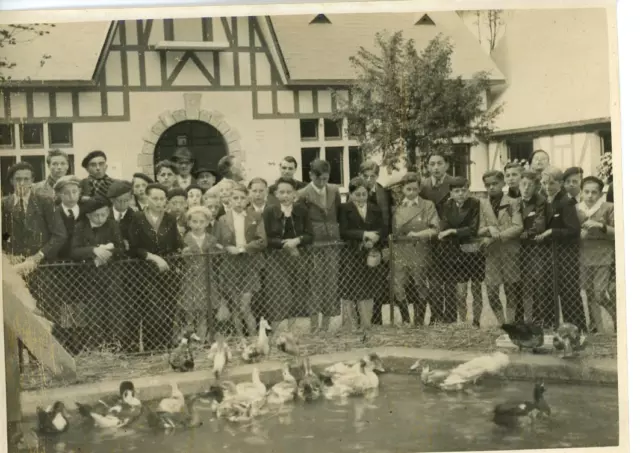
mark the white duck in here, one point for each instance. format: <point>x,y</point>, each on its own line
<point>117,416</point>
<point>353,367</point>
<point>255,388</point>
<point>474,369</point>
<point>220,353</point>
<point>285,390</point>
<point>252,353</point>
<point>246,400</point>
<point>355,383</point>
<point>429,377</point>
<point>174,403</point>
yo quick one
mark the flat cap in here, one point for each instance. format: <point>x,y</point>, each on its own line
<point>118,187</point>
<point>65,181</point>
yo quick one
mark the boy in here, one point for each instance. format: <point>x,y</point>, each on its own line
<point>257,195</point>
<point>67,191</point>
<point>167,174</point>
<point>572,182</point>
<point>98,181</point>
<point>512,176</point>
<point>415,218</point>
<point>206,178</point>
<point>120,195</point>
<point>323,203</point>
<point>177,206</point>
<point>459,225</point>
<point>501,227</point>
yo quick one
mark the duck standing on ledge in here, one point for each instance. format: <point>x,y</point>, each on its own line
<point>516,413</point>
<point>567,338</point>
<point>525,336</point>
<point>181,358</point>
<point>253,353</point>
<point>220,353</point>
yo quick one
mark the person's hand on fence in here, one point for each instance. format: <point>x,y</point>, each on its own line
<point>494,231</point>
<point>592,225</point>
<point>102,254</point>
<point>371,236</point>
<point>291,243</point>
<point>445,234</point>
<point>186,251</point>
<point>541,237</point>
<point>26,267</point>
<point>158,261</point>
<point>412,234</point>
<point>233,250</point>
<point>386,254</point>
<point>584,234</point>
<point>368,244</point>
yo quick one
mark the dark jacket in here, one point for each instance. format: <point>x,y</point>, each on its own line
<point>534,216</point>
<point>70,224</point>
<point>274,225</point>
<point>382,197</point>
<point>465,220</point>
<point>144,238</point>
<point>86,238</point>
<point>562,219</point>
<point>438,195</point>
<point>353,226</point>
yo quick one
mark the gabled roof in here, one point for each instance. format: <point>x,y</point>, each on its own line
<point>75,49</point>
<point>322,52</point>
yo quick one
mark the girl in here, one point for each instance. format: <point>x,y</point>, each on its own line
<point>200,294</point>
<point>362,228</point>
<point>596,216</point>
<point>167,174</point>
<point>288,229</point>
<point>139,184</point>
<point>194,195</point>
<point>242,236</point>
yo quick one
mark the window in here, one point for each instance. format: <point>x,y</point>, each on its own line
<point>38,163</point>
<point>425,20</point>
<point>355,160</point>
<point>5,163</point>
<point>31,136</point>
<point>60,135</point>
<point>309,129</point>
<point>308,155</point>
<point>520,150</point>
<point>461,164</point>
<point>6,136</point>
<point>334,157</point>
<point>332,129</point>
<point>320,19</point>
<point>606,145</point>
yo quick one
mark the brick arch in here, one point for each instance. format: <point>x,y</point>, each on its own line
<point>191,111</point>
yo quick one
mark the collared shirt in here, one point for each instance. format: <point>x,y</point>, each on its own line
<point>437,182</point>
<point>362,210</point>
<point>238,226</point>
<point>184,182</point>
<point>410,203</point>
<point>154,218</point>
<point>259,210</point>
<point>199,240</point>
<point>119,215</point>
<point>319,191</point>
<point>16,200</point>
<point>286,210</point>
<point>75,211</point>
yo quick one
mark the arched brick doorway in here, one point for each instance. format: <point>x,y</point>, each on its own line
<point>205,142</point>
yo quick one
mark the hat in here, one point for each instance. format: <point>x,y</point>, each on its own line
<point>176,192</point>
<point>571,171</point>
<point>66,180</point>
<point>157,185</point>
<point>117,188</point>
<point>194,186</point>
<point>206,170</point>
<point>182,153</point>
<point>93,204</point>
<point>92,155</point>
<point>144,177</point>
<point>458,182</point>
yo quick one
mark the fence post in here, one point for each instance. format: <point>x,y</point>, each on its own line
<point>556,291</point>
<point>390,279</point>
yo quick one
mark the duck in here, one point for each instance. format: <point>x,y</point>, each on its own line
<point>181,358</point>
<point>288,343</point>
<point>429,377</point>
<point>310,385</point>
<point>567,338</point>
<point>252,353</point>
<point>525,335</point>
<point>174,403</point>
<point>514,413</point>
<point>284,391</point>
<point>53,419</point>
<point>255,388</point>
<point>113,399</point>
<point>220,354</point>
<point>353,367</point>
<point>186,418</point>
<point>240,407</point>
<point>472,370</point>
<point>361,380</point>
<point>117,416</point>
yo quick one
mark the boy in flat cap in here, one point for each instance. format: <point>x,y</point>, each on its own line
<point>185,162</point>
<point>67,190</point>
<point>572,182</point>
<point>120,196</point>
<point>98,181</point>
<point>206,178</point>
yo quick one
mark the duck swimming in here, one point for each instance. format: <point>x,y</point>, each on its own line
<point>284,391</point>
<point>516,413</point>
<point>174,403</point>
<point>567,338</point>
<point>257,351</point>
<point>181,358</point>
<point>357,383</point>
<point>429,377</point>
<point>243,401</point>
<point>310,386</point>
<point>525,336</point>
<point>117,416</point>
<point>53,419</point>
<point>474,369</point>
<point>186,418</point>
<point>349,367</point>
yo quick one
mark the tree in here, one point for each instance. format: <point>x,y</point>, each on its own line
<point>14,34</point>
<point>405,104</point>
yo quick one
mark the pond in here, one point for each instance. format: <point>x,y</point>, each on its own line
<point>403,417</point>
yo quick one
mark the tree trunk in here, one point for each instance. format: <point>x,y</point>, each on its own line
<point>411,155</point>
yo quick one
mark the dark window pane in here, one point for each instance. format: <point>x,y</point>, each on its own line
<point>5,163</point>
<point>607,145</point>
<point>308,155</point>
<point>38,164</point>
<point>6,135</point>
<point>72,164</point>
<point>355,160</point>
<point>31,135</point>
<point>520,150</point>
<point>60,134</point>
<point>332,129</point>
<point>460,162</point>
<point>309,129</point>
<point>334,157</point>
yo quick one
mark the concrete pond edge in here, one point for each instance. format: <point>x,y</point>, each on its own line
<point>522,366</point>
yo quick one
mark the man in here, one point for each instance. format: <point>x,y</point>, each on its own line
<point>184,162</point>
<point>572,182</point>
<point>98,181</point>
<point>288,167</point>
<point>58,164</point>
<point>563,232</point>
<point>231,168</point>
<point>206,178</point>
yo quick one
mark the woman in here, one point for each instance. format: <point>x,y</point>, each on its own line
<point>154,238</point>
<point>362,228</point>
<point>139,185</point>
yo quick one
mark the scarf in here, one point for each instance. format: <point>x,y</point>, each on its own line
<point>589,212</point>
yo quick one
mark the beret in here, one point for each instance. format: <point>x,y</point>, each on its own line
<point>176,192</point>
<point>118,187</point>
<point>144,177</point>
<point>206,170</point>
<point>93,204</point>
<point>92,155</point>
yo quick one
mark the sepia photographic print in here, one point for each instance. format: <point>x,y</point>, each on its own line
<point>323,228</point>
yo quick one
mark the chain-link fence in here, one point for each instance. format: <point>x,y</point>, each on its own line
<point>131,306</point>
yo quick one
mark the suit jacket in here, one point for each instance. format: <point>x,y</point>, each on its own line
<point>224,232</point>
<point>324,217</point>
<point>86,238</point>
<point>465,220</point>
<point>562,219</point>
<point>163,239</point>
<point>274,225</point>
<point>70,226</point>
<point>250,208</point>
<point>534,214</point>
<point>124,223</point>
<point>438,195</point>
<point>382,197</point>
<point>353,226</point>
<point>42,229</point>
<point>414,218</point>
<point>508,221</point>
<point>44,188</point>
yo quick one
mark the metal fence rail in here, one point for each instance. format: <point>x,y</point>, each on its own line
<point>131,306</point>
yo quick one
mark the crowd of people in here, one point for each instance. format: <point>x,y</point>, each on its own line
<point>198,240</point>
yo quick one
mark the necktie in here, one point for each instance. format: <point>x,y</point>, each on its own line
<point>70,214</point>
<point>21,203</point>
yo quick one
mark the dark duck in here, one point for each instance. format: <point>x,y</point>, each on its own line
<point>181,358</point>
<point>516,413</point>
<point>568,339</point>
<point>525,336</point>
<point>53,419</point>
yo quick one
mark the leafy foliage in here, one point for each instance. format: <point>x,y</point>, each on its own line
<point>14,34</point>
<point>405,103</point>
<point>605,167</point>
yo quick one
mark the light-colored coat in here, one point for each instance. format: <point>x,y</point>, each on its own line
<point>324,215</point>
<point>598,249</point>
<point>414,219</point>
<point>502,254</point>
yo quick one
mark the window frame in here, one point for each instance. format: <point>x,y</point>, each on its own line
<point>40,145</point>
<point>60,145</point>
<point>517,142</point>
<point>12,132</point>
<point>317,136</point>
